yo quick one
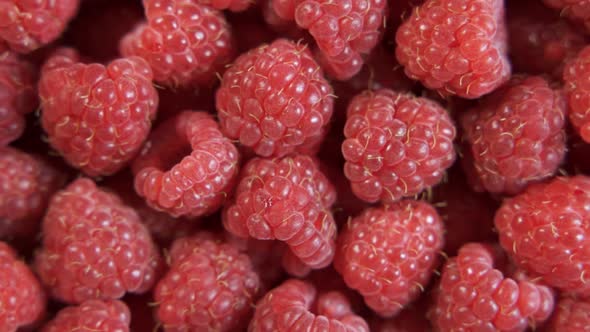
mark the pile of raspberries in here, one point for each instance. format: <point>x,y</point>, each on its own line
<point>294,165</point>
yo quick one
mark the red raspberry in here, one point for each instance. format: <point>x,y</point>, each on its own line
<point>544,231</point>
<point>578,94</point>
<point>97,116</point>
<point>184,42</point>
<point>92,315</point>
<point>274,99</point>
<point>210,286</point>
<point>474,296</point>
<point>22,300</point>
<point>571,315</point>
<point>288,200</point>
<point>456,47</point>
<point>396,145</point>
<point>516,135</point>
<point>94,247</point>
<point>288,308</point>
<point>389,254</point>
<point>200,182</point>
<point>575,10</point>
<point>27,25</point>
<point>233,5</point>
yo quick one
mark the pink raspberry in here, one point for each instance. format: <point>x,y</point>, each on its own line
<point>290,308</point>
<point>97,116</point>
<point>200,182</point>
<point>571,315</point>
<point>94,247</point>
<point>92,315</point>
<point>210,286</point>
<point>28,25</point>
<point>396,145</point>
<point>22,300</point>
<point>389,254</point>
<point>184,42</point>
<point>474,296</point>
<point>289,200</point>
<point>544,231</point>
<point>274,99</point>
<point>455,47</point>
<point>516,135</point>
<point>233,5</point>
<point>576,10</point>
<point>578,94</point>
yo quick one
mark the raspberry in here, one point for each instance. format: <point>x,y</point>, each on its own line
<point>29,25</point>
<point>97,116</point>
<point>455,47</point>
<point>22,301</point>
<point>274,99</point>
<point>571,315</point>
<point>517,135</point>
<point>200,182</point>
<point>578,94</point>
<point>94,247</point>
<point>184,42</point>
<point>575,10</point>
<point>396,145</point>
<point>288,308</point>
<point>288,200</point>
<point>210,286</point>
<point>233,5</point>
<point>92,315</point>
<point>26,184</point>
<point>474,296</point>
<point>544,231</point>
<point>388,254</point>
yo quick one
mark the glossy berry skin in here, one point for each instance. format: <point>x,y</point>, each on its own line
<point>92,315</point>
<point>288,308</point>
<point>22,299</point>
<point>574,75</point>
<point>570,315</point>
<point>396,145</point>
<point>232,5</point>
<point>575,10</point>
<point>94,247</point>
<point>286,199</point>
<point>455,47</point>
<point>275,100</point>
<point>200,182</point>
<point>184,42</point>
<point>473,296</point>
<point>210,286</point>
<point>28,25</point>
<point>516,135</point>
<point>97,117</point>
<point>389,254</point>
<point>545,232</point>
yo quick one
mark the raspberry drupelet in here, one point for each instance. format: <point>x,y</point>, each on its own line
<point>211,286</point>
<point>275,100</point>
<point>92,315</point>
<point>22,300</point>
<point>570,315</point>
<point>204,177</point>
<point>97,117</point>
<point>577,11</point>
<point>94,247</point>
<point>184,42</point>
<point>455,47</point>
<point>287,199</point>
<point>575,76</point>
<point>516,135</point>
<point>396,145</point>
<point>293,306</point>
<point>473,296</point>
<point>388,254</point>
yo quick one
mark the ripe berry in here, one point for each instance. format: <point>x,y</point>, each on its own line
<point>455,47</point>
<point>570,315</point>
<point>274,99</point>
<point>94,247</point>
<point>97,116</point>
<point>516,135</point>
<point>578,93</point>
<point>233,5</point>
<point>92,315</point>
<point>576,10</point>
<point>396,145</point>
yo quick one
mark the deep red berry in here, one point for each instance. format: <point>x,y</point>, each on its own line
<point>274,99</point>
<point>96,116</point>
<point>94,247</point>
<point>233,5</point>
<point>184,42</point>
<point>200,182</point>
<point>516,135</point>
<point>576,10</point>
<point>92,315</point>
<point>455,47</point>
<point>396,145</point>
<point>578,92</point>
<point>570,315</point>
